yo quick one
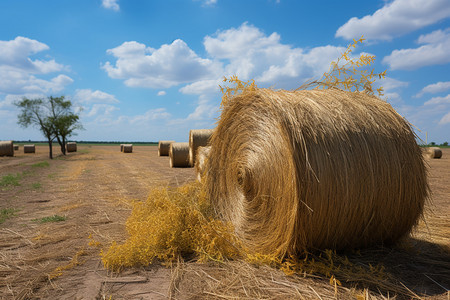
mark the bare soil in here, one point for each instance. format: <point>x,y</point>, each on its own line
<point>93,189</point>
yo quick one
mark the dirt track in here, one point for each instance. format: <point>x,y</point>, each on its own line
<point>93,189</point>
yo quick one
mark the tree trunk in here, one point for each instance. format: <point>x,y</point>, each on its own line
<point>63,145</point>
<point>50,142</point>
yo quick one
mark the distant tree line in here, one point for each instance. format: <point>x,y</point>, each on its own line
<point>53,116</point>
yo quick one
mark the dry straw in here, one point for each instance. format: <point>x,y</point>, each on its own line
<point>200,162</point>
<point>315,169</point>
<point>434,152</point>
<point>29,149</point>
<point>198,138</point>
<point>164,147</point>
<point>179,155</point>
<point>6,148</point>
<point>71,147</point>
<point>127,148</point>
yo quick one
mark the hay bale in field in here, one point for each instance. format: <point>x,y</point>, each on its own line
<point>315,169</point>
<point>6,148</point>
<point>29,149</point>
<point>71,147</point>
<point>16,147</point>
<point>200,162</point>
<point>127,148</point>
<point>198,138</point>
<point>434,152</point>
<point>121,147</point>
<point>179,155</point>
<point>164,147</point>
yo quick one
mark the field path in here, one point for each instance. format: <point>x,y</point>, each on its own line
<point>92,189</point>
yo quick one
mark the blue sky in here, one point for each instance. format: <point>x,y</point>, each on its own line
<point>149,70</point>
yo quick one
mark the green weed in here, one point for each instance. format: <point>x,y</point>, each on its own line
<point>54,218</point>
<point>7,213</point>
<point>10,180</point>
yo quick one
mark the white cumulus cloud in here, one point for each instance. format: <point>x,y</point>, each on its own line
<point>435,88</point>
<point>438,100</point>
<point>395,18</point>
<point>161,93</point>
<point>89,96</point>
<point>170,65</point>
<point>111,4</point>
<point>19,73</point>
<point>434,52</point>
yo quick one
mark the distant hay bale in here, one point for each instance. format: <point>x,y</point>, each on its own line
<point>127,148</point>
<point>164,147</point>
<point>71,147</point>
<point>6,148</point>
<point>179,155</point>
<point>434,152</point>
<point>121,147</point>
<point>198,138</point>
<point>16,147</point>
<point>29,149</point>
<point>315,169</point>
<point>200,162</point>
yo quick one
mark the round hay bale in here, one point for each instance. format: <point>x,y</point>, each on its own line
<point>434,152</point>
<point>71,147</point>
<point>315,169</point>
<point>200,162</point>
<point>16,147</point>
<point>164,147</point>
<point>198,138</point>
<point>127,148</point>
<point>29,149</point>
<point>179,155</point>
<point>6,148</point>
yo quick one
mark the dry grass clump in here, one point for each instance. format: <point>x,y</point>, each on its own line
<point>71,147</point>
<point>434,152</point>
<point>315,169</point>
<point>6,148</point>
<point>127,148</point>
<point>200,163</point>
<point>171,223</point>
<point>198,138</point>
<point>29,149</point>
<point>164,147</point>
<point>179,155</point>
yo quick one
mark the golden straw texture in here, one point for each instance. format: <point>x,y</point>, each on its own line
<point>164,147</point>
<point>198,138</point>
<point>127,148</point>
<point>71,147</point>
<point>6,148</point>
<point>29,149</point>
<point>434,152</point>
<point>201,157</point>
<point>315,169</point>
<point>179,155</point>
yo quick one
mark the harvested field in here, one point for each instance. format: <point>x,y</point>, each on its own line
<point>93,188</point>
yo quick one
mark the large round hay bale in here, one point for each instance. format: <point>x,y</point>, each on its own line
<point>179,155</point>
<point>127,148</point>
<point>6,148</point>
<point>315,169</point>
<point>71,147</point>
<point>29,149</point>
<point>200,162</point>
<point>198,138</point>
<point>434,152</point>
<point>164,147</point>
